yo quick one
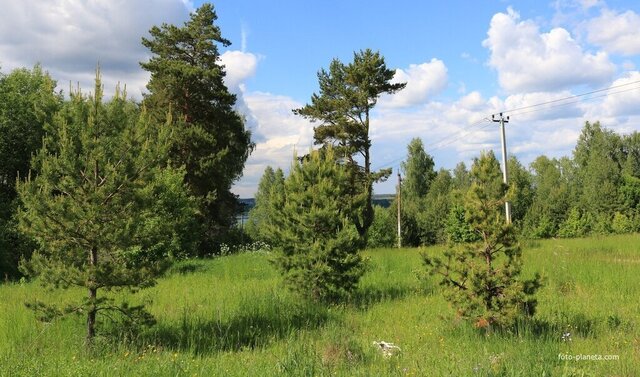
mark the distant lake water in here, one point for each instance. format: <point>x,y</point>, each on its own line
<point>383,200</point>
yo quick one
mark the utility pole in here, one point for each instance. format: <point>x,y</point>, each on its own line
<point>399,193</point>
<point>505,171</point>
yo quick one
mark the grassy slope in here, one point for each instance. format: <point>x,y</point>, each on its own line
<point>231,316</point>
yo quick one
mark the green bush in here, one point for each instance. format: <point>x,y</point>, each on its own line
<point>577,224</point>
<point>457,228</point>
<point>382,232</point>
<point>622,224</point>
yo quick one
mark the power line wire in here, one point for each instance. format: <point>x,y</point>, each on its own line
<point>576,101</point>
<point>517,111</point>
<point>428,147</point>
<point>569,97</point>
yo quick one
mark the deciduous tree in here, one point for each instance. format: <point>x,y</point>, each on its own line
<point>28,102</point>
<point>418,171</point>
<point>267,203</point>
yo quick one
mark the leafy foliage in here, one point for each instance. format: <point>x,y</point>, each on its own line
<point>521,185</point>
<point>551,200</point>
<point>457,228</point>
<point>482,280</point>
<point>318,247</point>
<point>382,232</point>
<point>211,140</point>
<point>599,157</point>
<point>267,203</point>
<point>577,224</point>
<point>104,209</point>
<point>418,170</point>
<point>27,102</point>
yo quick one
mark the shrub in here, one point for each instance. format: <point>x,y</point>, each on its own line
<point>457,227</point>
<point>576,224</point>
<point>622,223</point>
<point>382,232</point>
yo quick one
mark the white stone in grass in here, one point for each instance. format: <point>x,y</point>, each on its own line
<point>387,349</point>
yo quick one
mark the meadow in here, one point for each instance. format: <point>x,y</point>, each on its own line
<point>232,316</point>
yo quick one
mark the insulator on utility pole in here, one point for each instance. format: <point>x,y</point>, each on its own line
<point>399,193</point>
<point>505,171</point>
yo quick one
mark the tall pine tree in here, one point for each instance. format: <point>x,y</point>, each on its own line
<point>212,142</point>
<point>348,94</point>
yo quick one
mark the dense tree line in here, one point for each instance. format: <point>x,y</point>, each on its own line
<point>595,191</point>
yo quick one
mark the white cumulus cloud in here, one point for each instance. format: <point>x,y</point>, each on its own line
<point>543,105</point>
<point>239,66</point>
<point>615,32</point>
<point>70,37</point>
<point>423,82</point>
<point>278,133</point>
<point>623,99</point>
<point>528,60</point>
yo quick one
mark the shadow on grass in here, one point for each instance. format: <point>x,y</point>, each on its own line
<point>187,267</point>
<point>255,325</point>
<point>561,326</point>
<point>368,296</point>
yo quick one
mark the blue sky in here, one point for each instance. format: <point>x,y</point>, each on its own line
<point>462,60</point>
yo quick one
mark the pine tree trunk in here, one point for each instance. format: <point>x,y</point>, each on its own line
<point>367,213</point>
<point>93,293</point>
<point>91,316</point>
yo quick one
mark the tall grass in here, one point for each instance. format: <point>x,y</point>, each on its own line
<point>232,316</point>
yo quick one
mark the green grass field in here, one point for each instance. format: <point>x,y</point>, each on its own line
<point>231,316</point>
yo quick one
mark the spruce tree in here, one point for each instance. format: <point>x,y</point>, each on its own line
<point>482,279</point>
<point>211,140</point>
<point>106,212</point>
<point>317,250</point>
